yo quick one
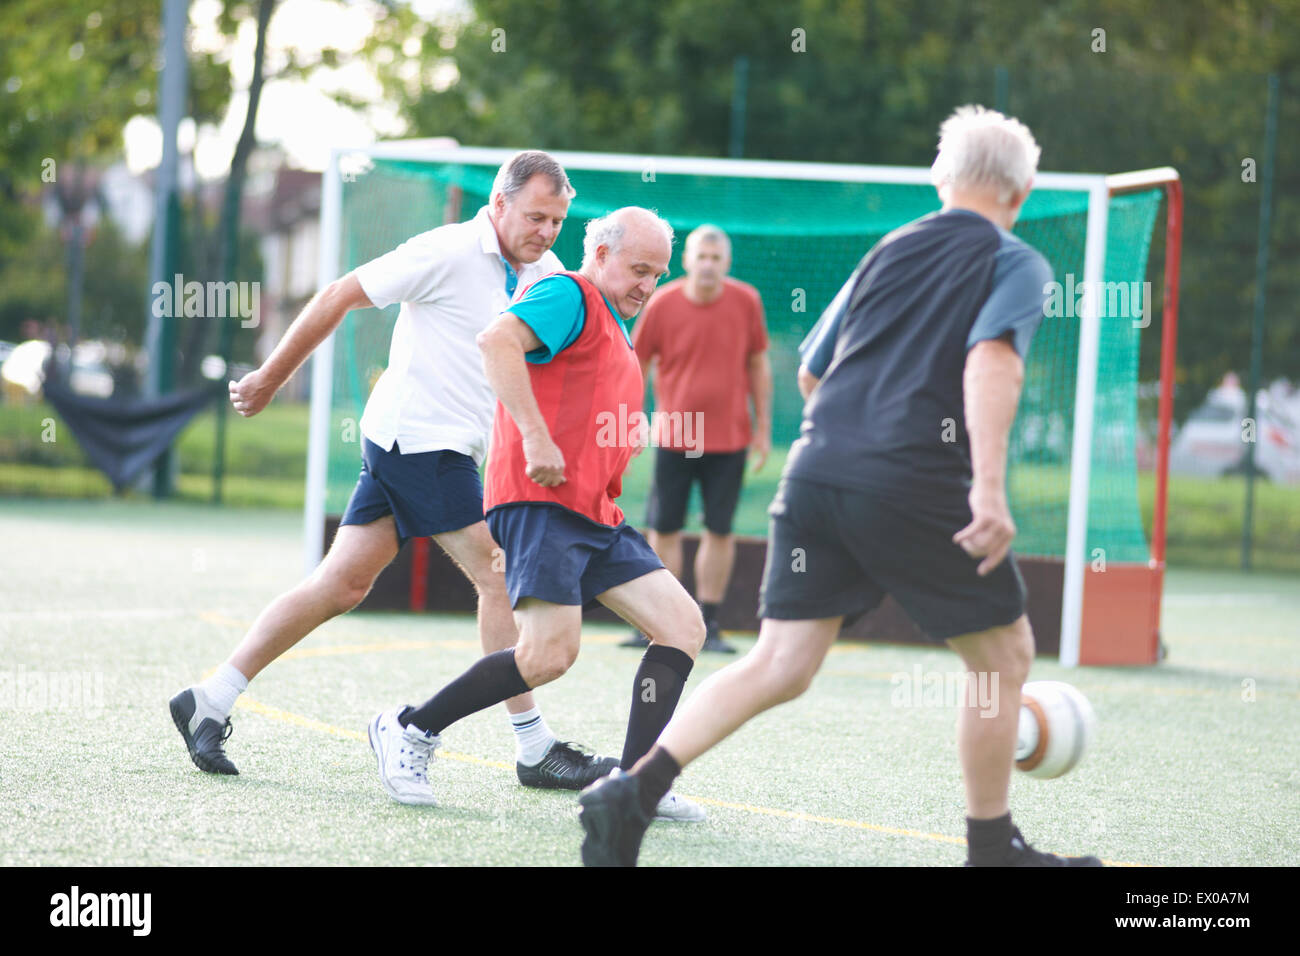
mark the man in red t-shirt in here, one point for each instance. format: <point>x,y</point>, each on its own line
<point>706,335</point>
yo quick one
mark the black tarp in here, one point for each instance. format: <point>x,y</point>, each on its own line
<point>124,436</point>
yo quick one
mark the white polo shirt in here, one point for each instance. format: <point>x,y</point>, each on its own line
<point>451,282</point>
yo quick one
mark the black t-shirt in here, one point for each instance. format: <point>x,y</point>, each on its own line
<point>888,414</point>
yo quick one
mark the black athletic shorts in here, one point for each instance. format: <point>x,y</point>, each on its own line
<point>720,476</point>
<point>838,551</point>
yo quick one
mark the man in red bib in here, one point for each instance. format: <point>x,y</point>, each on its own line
<point>569,420</point>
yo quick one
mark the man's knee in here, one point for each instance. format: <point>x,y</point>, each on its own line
<point>345,588</point>
<point>489,582</point>
<point>683,628</point>
<point>479,558</point>
<point>355,559</point>
<point>1020,652</point>
<point>1007,651</point>
<point>782,676</point>
<point>542,661</point>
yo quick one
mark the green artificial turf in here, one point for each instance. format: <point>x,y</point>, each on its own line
<point>110,607</point>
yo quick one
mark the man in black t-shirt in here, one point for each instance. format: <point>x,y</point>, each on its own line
<point>897,485</point>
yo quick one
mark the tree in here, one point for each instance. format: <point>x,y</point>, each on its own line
<point>870,81</point>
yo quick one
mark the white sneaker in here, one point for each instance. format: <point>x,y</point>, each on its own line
<point>403,754</point>
<point>679,809</point>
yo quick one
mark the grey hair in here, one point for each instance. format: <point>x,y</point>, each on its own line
<point>709,233</point>
<point>609,230</point>
<point>982,149</point>
<point>515,173</point>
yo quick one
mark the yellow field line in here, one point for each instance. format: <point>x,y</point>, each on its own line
<point>275,713</point>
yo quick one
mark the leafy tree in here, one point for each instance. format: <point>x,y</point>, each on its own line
<point>870,81</point>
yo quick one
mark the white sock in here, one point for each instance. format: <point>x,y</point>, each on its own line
<point>532,737</point>
<point>223,688</point>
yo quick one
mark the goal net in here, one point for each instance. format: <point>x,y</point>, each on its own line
<point>797,231</point>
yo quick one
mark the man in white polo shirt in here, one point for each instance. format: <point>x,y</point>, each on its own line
<point>425,431</point>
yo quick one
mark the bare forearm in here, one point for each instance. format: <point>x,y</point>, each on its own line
<point>318,319</point>
<point>760,392</point>
<point>507,373</point>
<point>993,376</point>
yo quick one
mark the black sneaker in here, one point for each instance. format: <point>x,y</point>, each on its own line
<point>637,639</point>
<point>202,733</point>
<point>713,641</point>
<point>615,823</point>
<point>566,766</point>
<point>1020,853</point>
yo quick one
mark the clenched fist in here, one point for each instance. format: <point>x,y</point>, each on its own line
<point>545,461</point>
<point>251,394</point>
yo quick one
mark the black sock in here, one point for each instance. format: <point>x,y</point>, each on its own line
<point>657,773</point>
<point>489,681</point>
<point>710,611</point>
<point>655,692</point>
<point>988,839</point>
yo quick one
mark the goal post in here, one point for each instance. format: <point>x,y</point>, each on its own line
<point>797,230</point>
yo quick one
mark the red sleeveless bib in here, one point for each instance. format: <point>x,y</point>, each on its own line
<point>590,396</point>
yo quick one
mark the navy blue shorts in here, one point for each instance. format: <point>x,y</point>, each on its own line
<point>559,556</point>
<point>427,493</point>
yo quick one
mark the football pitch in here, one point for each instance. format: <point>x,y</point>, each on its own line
<point>108,608</point>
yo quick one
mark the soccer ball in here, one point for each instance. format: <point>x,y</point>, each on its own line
<point>1056,726</point>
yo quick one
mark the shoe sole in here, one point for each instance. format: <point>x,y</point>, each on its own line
<point>372,731</point>
<point>665,819</point>
<point>550,782</point>
<point>199,760</point>
<point>597,820</point>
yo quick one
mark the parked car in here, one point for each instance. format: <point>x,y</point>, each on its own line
<point>1216,437</point>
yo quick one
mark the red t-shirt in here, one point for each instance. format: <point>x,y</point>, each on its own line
<point>703,372</point>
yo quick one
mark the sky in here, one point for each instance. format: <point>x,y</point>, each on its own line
<point>295,114</point>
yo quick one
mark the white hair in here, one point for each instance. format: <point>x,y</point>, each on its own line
<point>609,230</point>
<point>983,150</point>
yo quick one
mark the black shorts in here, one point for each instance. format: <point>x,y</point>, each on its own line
<point>838,551</point>
<point>720,477</point>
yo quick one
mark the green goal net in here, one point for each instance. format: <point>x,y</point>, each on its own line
<point>796,238</point>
